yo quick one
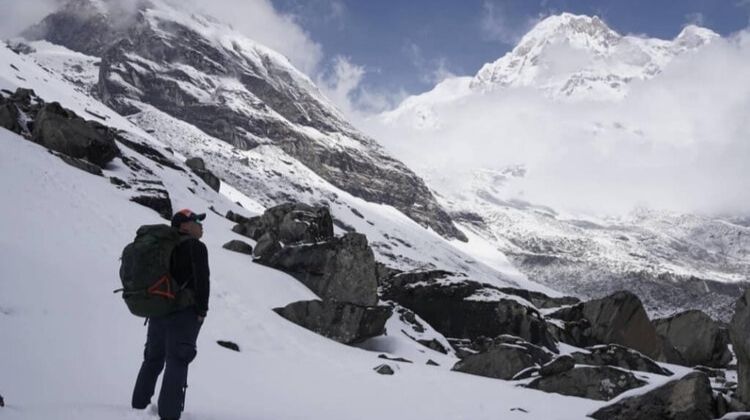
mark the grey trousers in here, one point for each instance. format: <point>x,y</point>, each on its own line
<point>170,340</point>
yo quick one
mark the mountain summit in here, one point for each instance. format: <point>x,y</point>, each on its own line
<point>571,56</point>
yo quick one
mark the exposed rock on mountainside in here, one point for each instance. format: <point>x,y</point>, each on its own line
<point>739,330</point>
<point>503,359</point>
<point>697,338</point>
<point>620,319</point>
<point>618,356</point>
<point>200,71</point>
<point>597,383</point>
<point>344,322</point>
<point>461,308</point>
<point>689,398</point>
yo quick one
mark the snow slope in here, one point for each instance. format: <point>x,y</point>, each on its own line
<point>70,349</point>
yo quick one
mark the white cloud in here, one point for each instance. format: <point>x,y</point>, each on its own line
<point>432,70</point>
<point>696,18</point>
<point>19,15</point>
<point>260,21</point>
<point>497,25</point>
<point>680,141</point>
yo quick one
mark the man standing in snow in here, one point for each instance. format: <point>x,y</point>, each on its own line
<point>172,338</point>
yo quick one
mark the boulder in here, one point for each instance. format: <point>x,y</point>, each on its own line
<point>689,398</point>
<point>540,300</point>
<point>384,369</point>
<point>618,356</point>
<point>619,319</point>
<point>501,360</point>
<point>237,218</point>
<point>156,199</point>
<point>462,308</point>
<point>63,131</point>
<point>739,331</point>
<point>561,364</point>
<point>341,268</point>
<point>343,322</point>
<point>198,166</point>
<point>596,383</point>
<point>2,401</point>
<point>228,345</point>
<point>697,338</point>
<point>291,223</point>
<point>239,246</point>
<point>267,246</point>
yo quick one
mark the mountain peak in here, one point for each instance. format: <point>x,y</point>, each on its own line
<point>693,36</point>
<point>577,30</point>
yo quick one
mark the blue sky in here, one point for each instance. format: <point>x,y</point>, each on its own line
<point>407,45</point>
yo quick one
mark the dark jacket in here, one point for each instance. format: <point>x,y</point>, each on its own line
<point>190,267</point>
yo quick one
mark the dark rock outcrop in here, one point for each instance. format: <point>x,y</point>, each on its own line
<point>739,331</point>
<point>561,364</point>
<point>290,223</point>
<point>62,130</point>
<point>540,300</point>
<point>597,383</point>
<point>503,358</point>
<point>384,369</point>
<point>618,356</point>
<point>458,308</point>
<point>618,319</point>
<point>343,322</point>
<point>689,398</point>
<point>341,268</point>
<point>239,246</point>
<point>198,166</point>
<point>697,338</point>
<point>237,218</point>
<point>228,345</point>
<point>156,199</point>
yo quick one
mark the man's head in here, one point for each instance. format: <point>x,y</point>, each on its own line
<point>188,222</point>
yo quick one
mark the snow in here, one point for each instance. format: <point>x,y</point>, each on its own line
<point>70,349</point>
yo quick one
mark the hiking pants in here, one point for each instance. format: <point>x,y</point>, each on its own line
<point>171,340</point>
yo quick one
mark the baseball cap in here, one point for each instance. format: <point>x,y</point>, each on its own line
<point>186,215</point>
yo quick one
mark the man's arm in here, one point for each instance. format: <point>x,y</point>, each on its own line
<point>201,274</point>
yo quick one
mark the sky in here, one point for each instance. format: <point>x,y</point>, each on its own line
<point>405,47</point>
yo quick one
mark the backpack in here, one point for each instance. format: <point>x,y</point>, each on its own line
<point>148,288</point>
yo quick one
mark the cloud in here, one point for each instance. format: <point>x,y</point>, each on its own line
<point>696,18</point>
<point>19,15</point>
<point>432,70</point>
<point>260,21</point>
<point>679,141</point>
<point>496,24</point>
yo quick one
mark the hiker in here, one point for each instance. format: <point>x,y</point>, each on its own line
<point>171,338</point>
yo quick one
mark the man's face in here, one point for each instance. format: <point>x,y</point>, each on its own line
<point>193,229</point>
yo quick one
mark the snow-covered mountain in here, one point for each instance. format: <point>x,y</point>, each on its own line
<point>196,69</point>
<point>566,57</point>
<point>554,82</point>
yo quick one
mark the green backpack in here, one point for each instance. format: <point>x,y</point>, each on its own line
<point>148,288</point>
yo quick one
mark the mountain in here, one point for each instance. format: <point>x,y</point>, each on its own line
<point>196,69</point>
<point>558,75</point>
<point>566,58</point>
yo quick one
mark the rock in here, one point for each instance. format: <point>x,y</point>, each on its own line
<point>739,331</point>
<point>394,359</point>
<point>503,358</point>
<point>689,398</point>
<point>383,272</point>
<point>561,364</point>
<point>343,322</point>
<point>540,300</point>
<point>697,338</point>
<point>418,330</point>
<point>229,345</point>
<point>267,246</point>
<point>80,164</point>
<point>384,370</point>
<point>596,383</point>
<point>618,356</point>
<point>157,200</point>
<point>119,183</point>
<point>341,268</point>
<point>291,223</point>
<point>431,362</point>
<point>237,218</point>
<point>501,362</point>
<point>9,116</point>
<point>462,308</point>
<point>2,401</point>
<point>150,153</point>
<point>620,319</point>
<point>239,246</point>
<point>198,166</point>
<point>63,131</point>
